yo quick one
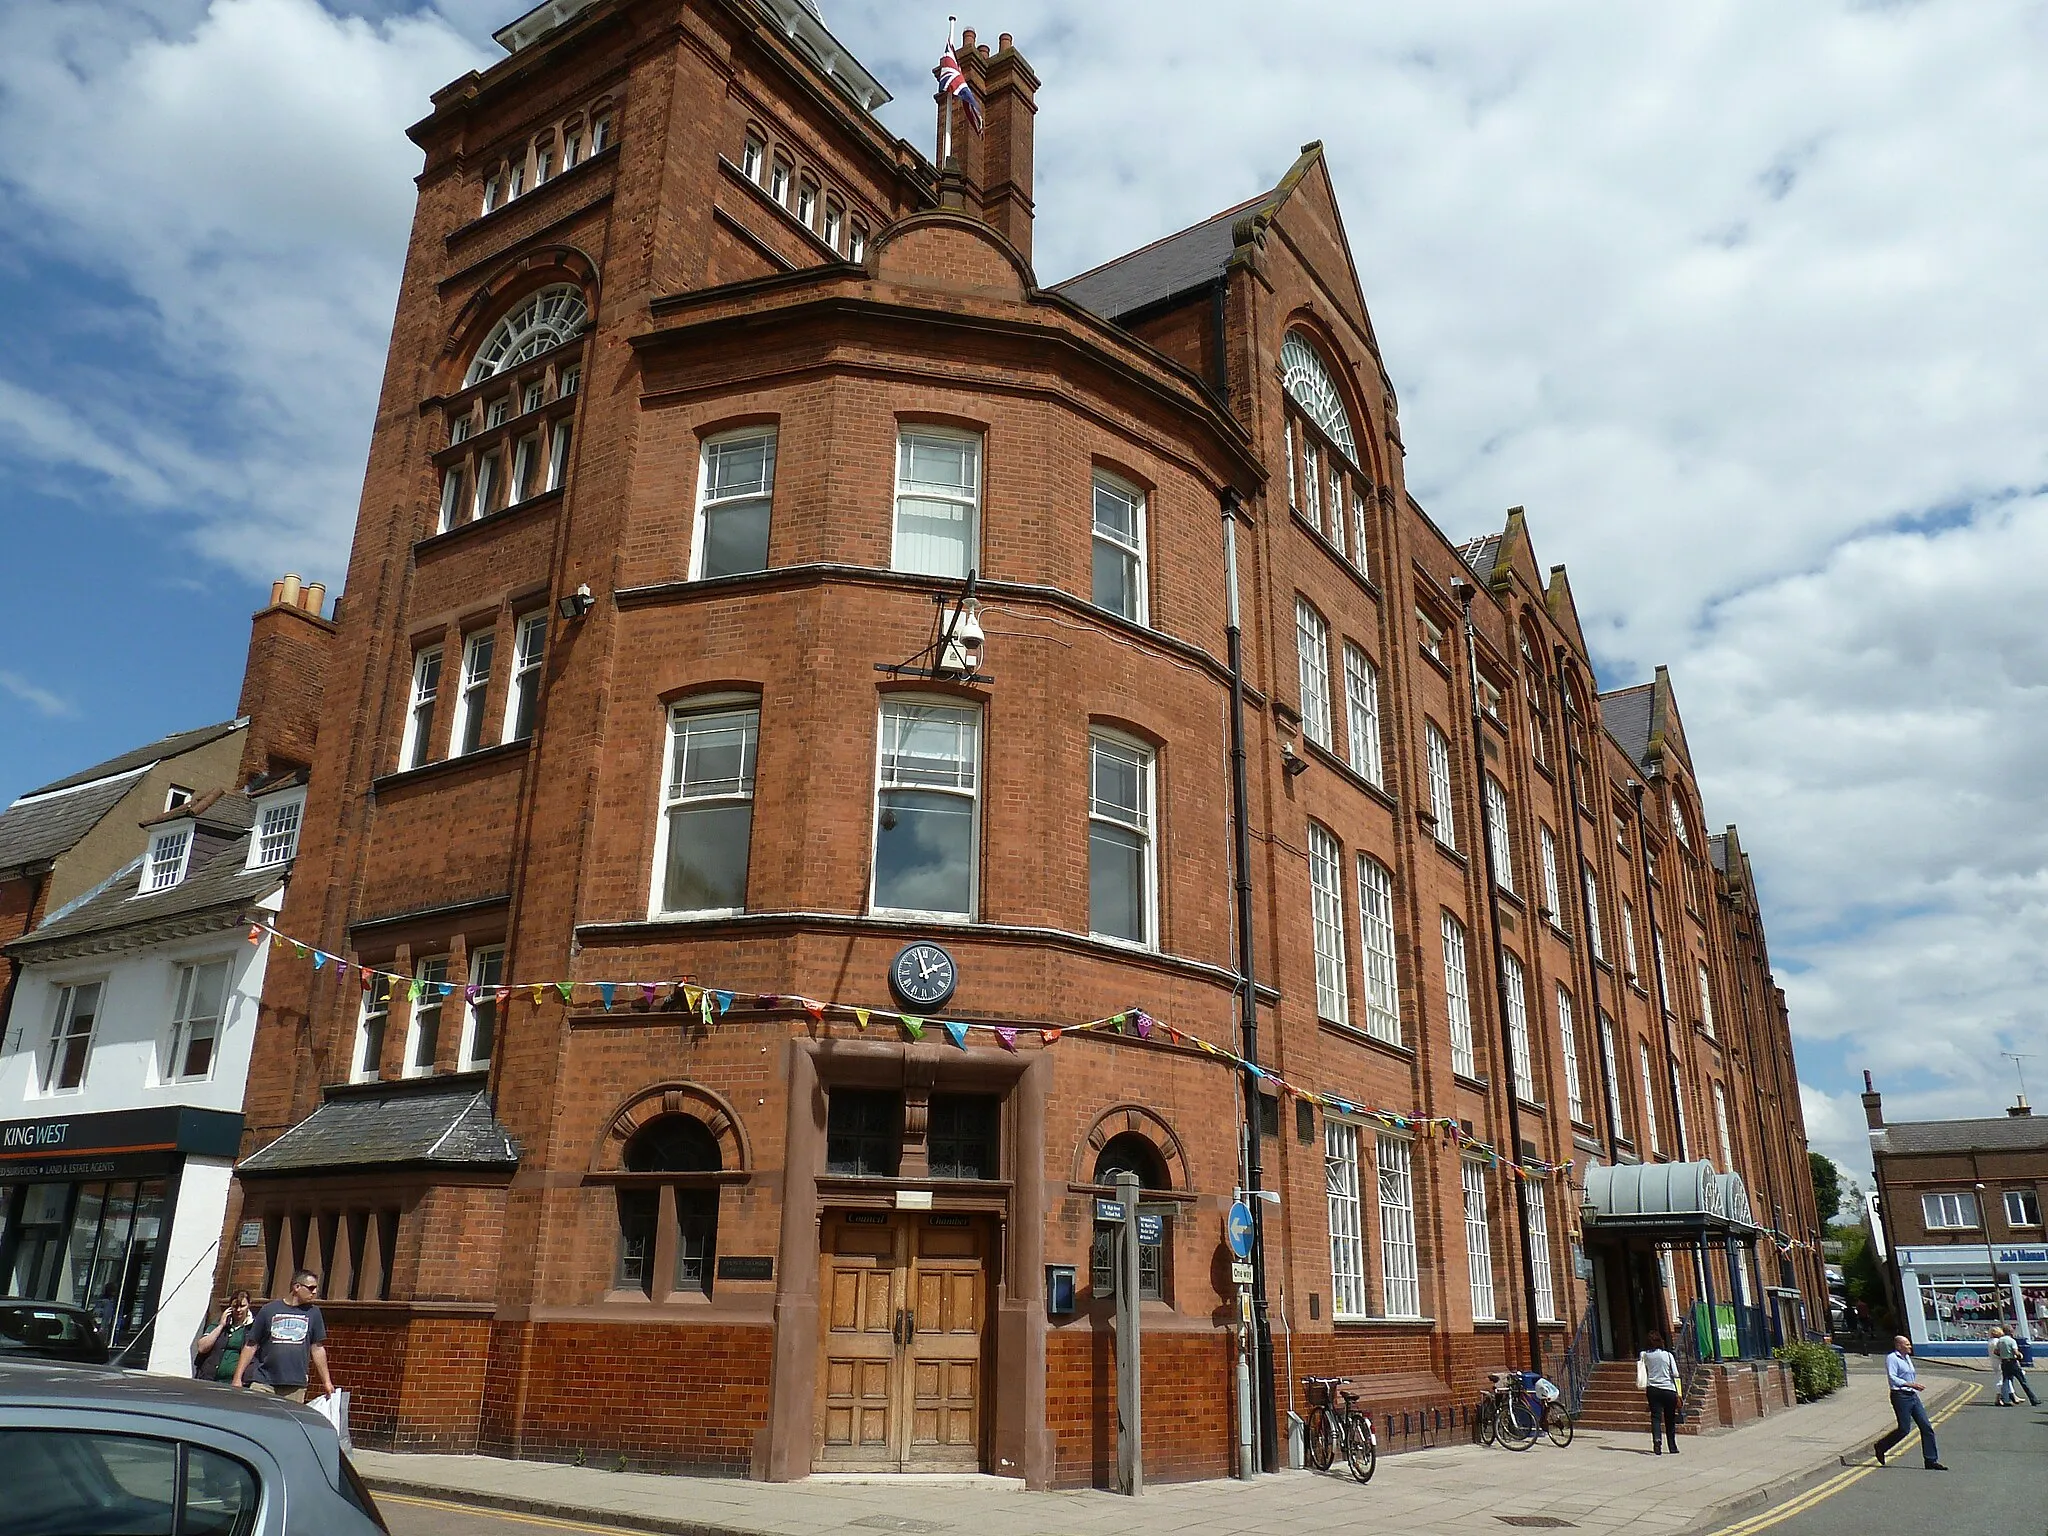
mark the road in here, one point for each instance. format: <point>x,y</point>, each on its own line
<point>408,1516</point>
<point>1997,1458</point>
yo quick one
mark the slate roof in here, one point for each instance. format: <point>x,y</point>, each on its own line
<point>2010,1133</point>
<point>1481,554</point>
<point>447,1127</point>
<point>1165,269</point>
<point>42,829</point>
<point>1717,850</point>
<point>1626,714</point>
<point>142,757</point>
<point>221,885</point>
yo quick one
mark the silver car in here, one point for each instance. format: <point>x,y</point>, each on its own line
<point>104,1453</point>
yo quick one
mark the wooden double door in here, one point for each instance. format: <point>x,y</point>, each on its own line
<point>904,1321</point>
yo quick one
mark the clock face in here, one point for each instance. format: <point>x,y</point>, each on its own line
<point>923,975</point>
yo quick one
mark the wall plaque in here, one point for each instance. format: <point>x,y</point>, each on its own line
<point>739,1266</point>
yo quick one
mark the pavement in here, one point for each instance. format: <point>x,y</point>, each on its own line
<point>1602,1482</point>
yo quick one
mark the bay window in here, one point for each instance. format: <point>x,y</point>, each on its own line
<point>927,809</point>
<point>708,808</point>
<point>938,502</point>
<point>1119,548</point>
<point>733,504</point>
<point>1120,840</point>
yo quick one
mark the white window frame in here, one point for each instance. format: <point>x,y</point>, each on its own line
<point>1568,1036</point>
<point>1951,1211</point>
<point>968,501</point>
<point>1613,1076</point>
<point>1628,940</point>
<point>1706,1001</point>
<point>1312,652</point>
<point>1326,914</point>
<point>1431,642</point>
<point>1376,933</point>
<point>1663,976</point>
<point>472,694</point>
<point>781,174</point>
<point>483,960</point>
<point>1312,482</point>
<point>2016,1215</point>
<point>170,855</point>
<point>289,811</point>
<point>970,793</point>
<point>1721,1126</point>
<point>485,491</point>
<point>1362,714</point>
<point>1678,1103</point>
<point>835,221</point>
<point>1437,750</point>
<point>1553,888</point>
<point>753,157</point>
<point>704,707</point>
<point>1347,1220</point>
<point>525,462</point>
<point>558,452</point>
<point>1145,825</point>
<point>1361,555</point>
<point>1536,1206</point>
<point>1458,997</point>
<point>177,1045</point>
<point>431,971</point>
<point>1520,1063</point>
<point>1497,836</point>
<point>807,201</point>
<point>1590,884</point>
<point>1400,1284</point>
<point>708,503</point>
<point>422,706</point>
<point>1132,549</point>
<point>376,1003</point>
<point>454,480</point>
<point>856,240</point>
<point>62,1032</point>
<point>1650,1100</point>
<point>1478,1240</point>
<point>522,688</point>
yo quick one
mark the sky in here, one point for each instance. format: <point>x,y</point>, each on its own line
<point>1743,301</point>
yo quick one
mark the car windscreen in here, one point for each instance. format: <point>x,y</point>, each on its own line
<point>40,1329</point>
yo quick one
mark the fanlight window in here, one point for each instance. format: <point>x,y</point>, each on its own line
<point>1305,378</point>
<point>545,321</point>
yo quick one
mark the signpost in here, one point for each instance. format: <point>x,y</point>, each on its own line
<point>1237,1235</point>
<point>1130,1446</point>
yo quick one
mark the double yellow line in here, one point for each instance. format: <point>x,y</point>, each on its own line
<point>512,1516</point>
<point>1839,1481</point>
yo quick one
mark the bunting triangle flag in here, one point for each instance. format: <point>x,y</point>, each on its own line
<point>689,997</point>
<point>605,992</point>
<point>1144,1026</point>
<point>647,991</point>
<point>539,990</point>
<point>911,1026</point>
<point>815,1010</point>
<point>1050,1036</point>
<point>320,958</point>
<point>413,992</point>
<point>724,1004</point>
<point>471,992</point>
<point>704,1006</point>
<point>341,968</point>
<point>366,977</point>
<point>860,1017</point>
<point>255,935</point>
<point>1006,1037</point>
<point>565,988</point>
<point>957,1032</point>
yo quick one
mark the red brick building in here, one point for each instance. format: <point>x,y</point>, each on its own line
<point>705,397</point>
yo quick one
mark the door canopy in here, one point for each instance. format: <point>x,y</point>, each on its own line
<point>1666,1199</point>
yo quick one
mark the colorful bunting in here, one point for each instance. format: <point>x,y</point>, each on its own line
<point>1006,1037</point>
<point>860,1017</point>
<point>957,1032</point>
<point>605,992</point>
<point>912,1027</point>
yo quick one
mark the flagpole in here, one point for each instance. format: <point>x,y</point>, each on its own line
<point>946,106</point>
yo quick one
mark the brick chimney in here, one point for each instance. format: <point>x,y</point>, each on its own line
<point>1873,1104</point>
<point>289,645</point>
<point>996,163</point>
<point>2020,1109</point>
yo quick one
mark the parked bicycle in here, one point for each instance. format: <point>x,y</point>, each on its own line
<point>1338,1426</point>
<point>1519,1408</point>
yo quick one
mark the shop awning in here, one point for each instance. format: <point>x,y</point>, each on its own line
<point>391,1126</point>
<point>1666,1199</point>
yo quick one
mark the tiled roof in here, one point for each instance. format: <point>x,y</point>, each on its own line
<point>407,1124</point>
<point>44,828</point>
<point>222,884</point>
<point>1717,850</point>
<point>1626,714</point>
<point>1180,263</point>
<point>2012,1133</point>
<point>142,757</point>
<point>1481,554</point>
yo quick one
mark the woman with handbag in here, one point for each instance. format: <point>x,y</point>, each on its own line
<point>217,1349</point>
<point>1657,1375</point>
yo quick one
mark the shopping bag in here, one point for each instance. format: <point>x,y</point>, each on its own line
<point>334,1409</point>
<point>1642,1374</point>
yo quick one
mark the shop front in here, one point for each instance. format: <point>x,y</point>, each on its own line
<point>88,1204</point>
<point>1956,1294</point>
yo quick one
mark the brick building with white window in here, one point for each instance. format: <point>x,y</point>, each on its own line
<point>134,1007</point>
<point>692,1063</point>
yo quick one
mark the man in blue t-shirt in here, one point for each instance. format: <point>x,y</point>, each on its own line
<point>287,1336</point>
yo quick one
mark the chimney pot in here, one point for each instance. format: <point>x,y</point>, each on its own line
<point>982,51</point>
<point>1873,1105</point>
<point>967,40</point>
<point>2020,1109</point>
<point>276,593</point>
<point>289,596</point>
<point>1866,1081</point>
<point>1005,41</point>
<point>315,598</point>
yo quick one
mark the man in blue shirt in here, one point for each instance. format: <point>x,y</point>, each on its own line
<point>1904,1378</point>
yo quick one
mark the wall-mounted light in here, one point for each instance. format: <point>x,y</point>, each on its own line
<point>577,603</point>
<point>1295,765</point>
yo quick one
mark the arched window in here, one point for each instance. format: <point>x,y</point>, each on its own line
<point>1304,377</point>
<point>668,1234</point>
<point>542,323</point>
<point>1130,1152</point>
<point>1324,483</point>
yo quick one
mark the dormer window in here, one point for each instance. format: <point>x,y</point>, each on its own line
<point>176,796</point>
<point>168,852</point>
<point>276,838</point>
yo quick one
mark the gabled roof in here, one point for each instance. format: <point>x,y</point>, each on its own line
<point>53,822</point>
<point>1627,713</point>
<point>405,1125</point>
<point>1178,264</point>
<point>1481,554</point>
<point>144,757</point>
<point>2013,1133</point>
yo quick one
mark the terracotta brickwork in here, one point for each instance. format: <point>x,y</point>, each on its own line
<point>712,309</point>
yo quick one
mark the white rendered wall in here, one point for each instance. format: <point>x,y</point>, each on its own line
<point>192,1258</point>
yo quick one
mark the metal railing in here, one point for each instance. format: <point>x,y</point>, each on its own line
<point>1580,1358</point>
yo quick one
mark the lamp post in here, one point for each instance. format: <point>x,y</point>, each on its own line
<point>1990,1258</point>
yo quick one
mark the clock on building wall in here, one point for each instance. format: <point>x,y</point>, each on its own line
<point>923,976</point>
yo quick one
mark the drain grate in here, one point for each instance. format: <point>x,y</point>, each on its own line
<point>1541,1522</point>
<point>900,1523</point>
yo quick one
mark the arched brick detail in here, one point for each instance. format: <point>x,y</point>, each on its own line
<point>1115,1121</point>
<point>735,1154</point>
<point>506,285</point>
<point>1336,357</point>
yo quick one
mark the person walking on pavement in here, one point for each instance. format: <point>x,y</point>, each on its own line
<point>1904,1377</point>
<point>2005,1354</point>
<point>1659,1369</point>
<point>287,1336</point>
<point>219,1349</point>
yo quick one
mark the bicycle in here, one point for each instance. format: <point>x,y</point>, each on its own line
<point>1332,1428</point>
<point>1515,1412</point>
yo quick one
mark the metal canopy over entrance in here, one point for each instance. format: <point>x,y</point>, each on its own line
<point>1670,1200</point>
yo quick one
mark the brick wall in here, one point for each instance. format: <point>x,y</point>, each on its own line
<point>1190,1425</point>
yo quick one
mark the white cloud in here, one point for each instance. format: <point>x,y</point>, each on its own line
<point>37,697</point>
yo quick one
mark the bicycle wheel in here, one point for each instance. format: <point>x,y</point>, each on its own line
<point>1483,1417</point>
<point>1322,1439</point>
<point>1516,1424</point>
<point>1359,1450</point>
<point>1557,1424</point>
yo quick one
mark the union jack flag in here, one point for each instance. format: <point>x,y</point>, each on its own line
<point>954,83</point>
